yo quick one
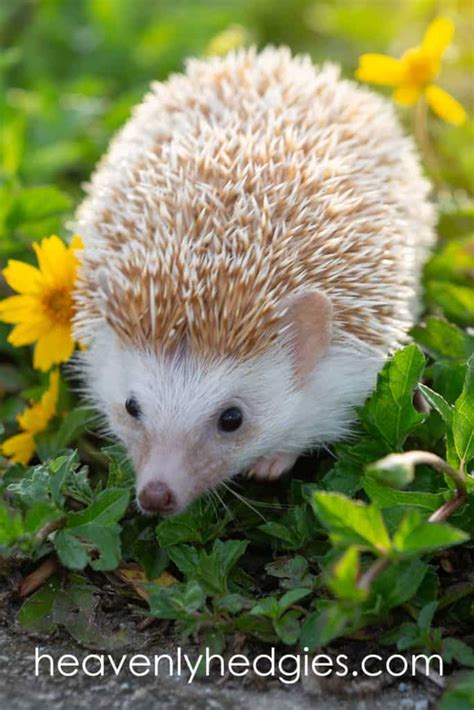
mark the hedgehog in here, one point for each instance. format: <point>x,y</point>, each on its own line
<point>253,241</point>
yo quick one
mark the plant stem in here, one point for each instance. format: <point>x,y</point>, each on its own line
<point>424,143</point>
<point>374,570</point>
<point>419,457</point>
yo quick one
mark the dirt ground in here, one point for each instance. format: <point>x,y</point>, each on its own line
<point>21,690</point>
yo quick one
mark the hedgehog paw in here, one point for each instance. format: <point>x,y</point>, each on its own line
<point>269,468</point>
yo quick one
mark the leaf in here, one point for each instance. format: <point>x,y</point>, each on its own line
<point>102,543</point>
<point>457,650</point>
<point>459,695</point>
<point>291,597</point>
<point>35,203</point>
<point>438,402</point>
<point>389,413</point>
<point>415,536</point>
<point>453,262</point>
<point>73,424</point>
<point>108,507</point>
<point>351,522</point>
<point>426,615</point>
<point>442,339</point>
<point>35,614</point>
<point>288,627</point>
<point>133,575</point>
<point>463,418</point>
<point>71,551</point>
<point>209,569</point>
<point>11,527</point>
<point>346,474</point>
<point>197,524</point>
<point>386,497</point>
<point>321,627</point>
<point>343,576</point>
<point>456,301</point>
<point>398,583</point>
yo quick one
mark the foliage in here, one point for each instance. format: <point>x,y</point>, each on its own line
<point>356,543</point>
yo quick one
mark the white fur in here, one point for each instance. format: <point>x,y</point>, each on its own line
<point>181,399</point>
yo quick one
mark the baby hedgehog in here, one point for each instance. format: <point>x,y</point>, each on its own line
<point>253,245</point>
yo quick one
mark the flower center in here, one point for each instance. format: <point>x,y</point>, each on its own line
<point>58,305</point>
<point>419,67</point>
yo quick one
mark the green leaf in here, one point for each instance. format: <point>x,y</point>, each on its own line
<point>71,550</point>
<point>459,695</point>
<point>456,301</point>
<point>102,544</point>
<point>210,569</point>
<point>288,627</point>
<point>438,402</point>
<point>443,340</point>
<point>11,527</point>
<point>389,413</point>
<point>426,615</point>
<point>386,497</point>
<point>35,203</point>
<point>415,536</point>
<point>73,424</point>
<point>463,418</point>
<point>108,507</point>
<point>398,583</point>
<point>291,597</point>
<point>321,627</point>
<point>343,576</point>
<point>351,522</point>
<point>36,613</point>
<point>197,524</point>
<point>457,650</point>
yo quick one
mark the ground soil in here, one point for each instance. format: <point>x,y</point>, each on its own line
<point>20,689</point>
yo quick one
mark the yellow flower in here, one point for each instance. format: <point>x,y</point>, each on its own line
<point>43,311</point>
<point>414,72</point>
<point>33,420</point>
<point>233,37</point>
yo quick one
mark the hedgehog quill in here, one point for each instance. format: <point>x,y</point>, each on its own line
<point>253,245</point>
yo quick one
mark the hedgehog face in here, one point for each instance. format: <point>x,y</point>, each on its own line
<point>190,423</point>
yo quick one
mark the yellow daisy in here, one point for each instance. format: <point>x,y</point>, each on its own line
<point>33,420</point>
<point>233,37</point>
<point>414,72</point>
<point>43,311</point>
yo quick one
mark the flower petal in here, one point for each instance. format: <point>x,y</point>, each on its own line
<point>23,278</point>
<point>26,333</point>
<point>51,254</point>
<point>445,106</point>
<point>17,309</point>
<point>407,95</point>
<point>53,347</point>
<point>19,448</point>
<point>438,36</point>
<point>49,400</point>
<point>36,418</point>
<point>379,69</point>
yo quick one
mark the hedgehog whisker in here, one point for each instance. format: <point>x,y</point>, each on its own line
<point>244,500</point>
<point>262,503</point>
<point>223,503</point>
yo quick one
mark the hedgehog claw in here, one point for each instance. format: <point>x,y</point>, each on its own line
<point>269,468</point>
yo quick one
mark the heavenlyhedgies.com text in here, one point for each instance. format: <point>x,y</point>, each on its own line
<point>288,668</point>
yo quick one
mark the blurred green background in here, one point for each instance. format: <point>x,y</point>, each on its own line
<point>72,69</point>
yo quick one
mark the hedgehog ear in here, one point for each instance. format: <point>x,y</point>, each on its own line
<point>309,318</point>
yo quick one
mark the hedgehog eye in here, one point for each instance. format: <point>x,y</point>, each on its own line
<point>133,408</point>
<point>230,419</point>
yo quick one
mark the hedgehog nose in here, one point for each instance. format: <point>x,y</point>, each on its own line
<point>156,497</point>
